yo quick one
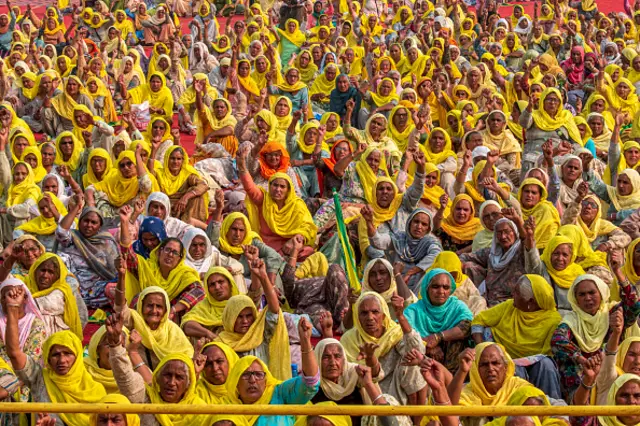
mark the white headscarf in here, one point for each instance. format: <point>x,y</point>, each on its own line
<point>175,227</point>
<point>348,379</point>
<point>498,258</point>
<point>201,265</point>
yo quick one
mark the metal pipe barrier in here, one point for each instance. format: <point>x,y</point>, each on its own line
<point>312,410</point>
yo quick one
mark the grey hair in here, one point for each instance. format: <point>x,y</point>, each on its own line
<point>371,296</point>
<point>519,421</point>
<point>186,371</point>
<point>524,288</point>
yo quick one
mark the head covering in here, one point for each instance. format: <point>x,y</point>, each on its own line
<point>335,420</point>
<point>41,225</point>
<point>208,312</point>
<point>77,386</point>
<point>170,184</point>
<point>545,214</point>
<point>462,231</point>
<point>357,336</point>
<point>210,393</point>
<point>484,238</point>
<point>120,190</point>
<point>31,312</point>
<point>151,225</point>
<point>25,190</point>
<point>588,330</point>
<point>498,258</point>
<point>588,257</point>
<point>91,363</point>
<point>162,99</point>
<point>90,178</point>
<point>366,175</point>
<point>563,117</point>
<point>563,278</point>
<point>524,333</point>
<point>440,157</point>
<point>71,315</point>
<point>626,202</point>
<point>279,356</point>
<point>99,250</point>
<point>168,338</point>
<point>475,393</point>
<point>410,249</point>
<point>611,398</point>
<point>114,398</point>
<point>427,318</point>
<point>286,222</point>
<point>250,235</point>
<point>348,379</point>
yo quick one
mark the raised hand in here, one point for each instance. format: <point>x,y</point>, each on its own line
<point>114,324</point>
<point>135,341</point>
<point>125,213</point>
<point>304,329</point>
<point>367,213</point>
<point>367,352</point>
<point>251,253</point>
<point>444,201</point>
<point>397,302</point>
<point>412,358</point>
<point>466,359</point>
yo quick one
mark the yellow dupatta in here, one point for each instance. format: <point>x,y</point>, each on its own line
<point>26,92</point>
<point>247,82</point>
<point>563,118</point>
<point>210,393</point>
<point>586,255</point>
<point>77,130</point>
<point>118,189</point>
<point>331,134</point>
<point>611,398</point>
<point>78,147</point>
<point>208,312</point>
<point>465,231</point>
<point>599,226</point>
<point>625,202</point>
<point>524,333</point>
<point>212,121</point>
<point>401,138</point>
<point>472,187</point>
<point>170,184</point>
<point>99,374</point>
<point>296,37</point>
<point>40,225</point>
<point>381,100</point>
<point>366,175</point>
<point>188,98</point>
<point>71,316</point>
<point>77,386</point>
<point>109,111</point>
<point>474,393</point>
<point>546,216</point>
<point>168,338</point>
<point>432,194</point>
<point>90,178</point>
<point>322,85</point>
<point>628,268</point>
<point>439,157</point>
<point>292,219</point>
<point>284,122</point>
<point>357,336</point>
<point>39,172</point>
<point>27,189</point>
<point>161,99</point>
<point>64,103</point>
<point>564,278</point>
<point>279,354</point>
<point>302,145</point>
<point>249,236</point>
<point>588,330</point>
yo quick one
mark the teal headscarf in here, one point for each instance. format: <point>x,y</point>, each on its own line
<point>427,319</point>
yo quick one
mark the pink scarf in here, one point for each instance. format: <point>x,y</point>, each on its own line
<point>30,309</point>
<point>575,72</point>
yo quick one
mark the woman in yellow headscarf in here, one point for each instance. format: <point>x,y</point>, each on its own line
<point>458,229</point>
<point>207,388</point>
<point>245,83</point>
<point>131,182</point>
<point>187,191</point>
<point>384,98</point>
<point>563,119</point>
<point>156,93</point>
<point>69,157</point>
<point>251,340</point>
<point>124,25</point>
<point>529,395</point>
<point>586,257</point>
<point>97,363</point>
<point>523,332</point>
<point>281,210</point>
<point>290,40</point>
<point>60,317</point>
<point>33,157</point>
<point>623,385</point>
<point>474,189</point>
<point>532,196</point>
<point>92,177</point>
<point>64,383</point>
<point>217,125</point>
<point>21,196</point>
<point>205,319</point>
<point>63,66</point>
<point>45,224</point>
<point>96,90</point>
<point>63,104</point>
<point>623,199</point>
<point>561,274</point>
<point>306,67</point>
<point>187,107</point>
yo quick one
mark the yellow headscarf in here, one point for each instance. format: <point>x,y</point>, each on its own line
<point>608,117</point>
<point>628,268</point>
<point>190,397</point>
<point>118,189</point>
<point>296,37</point>
<point>586,255</point>
<point>629,105</point>
<point>366,175</point>
<point>210,393</point>
<point>77,386</point>
<point>321,85</point>
<point>599,226</point>
<point>232,386</point>
<point>70,66</point>
<point>114,398</point>
<point>168,338</point>
<point>246,82</point>
<point>90,178</point>
<point>545,214</point>
<point>440,157</point>
<point>563,118</point>
<point>160,99</point>
<point>39,172</point>
<point>588,330</point>
<point>78,147</point>
<point>109,109</point>
<point>29,93</point>
<point>472,187</point>
<point>466,231</point>
<point>357,336</point>
<point>474,393</point>
<point>519,397</point>
<point>625,202</point>
<point>341,420</point>
<point>40,225</point>
<point>306,74</point>
<point>14,134</point>
<point>283,122</point>
<point>366,287</point>
<point>380,100</point>
<point>77,130</point>
<point>400,138</point>
<point>564,278</point>
<point>99,374</point>
<point>279,354</point>
<point>208,312</point>
<point>27,189</point>
<point>308,149</point>
<point>250,235</point>
<point>274,133</point>
<point>188,98</point>
<point>170,184</point>
<point>64,103</point>
<point>611,398</point>
<point>71,316</point>
<point>292,219</point>
<point>524,333</point>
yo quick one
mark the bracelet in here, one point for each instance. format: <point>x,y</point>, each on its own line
<point>377,398</point>
<point>611,353</point>
<point>586,386</point>
<point>139,365</point>
<point>13,305</point>
<point>447,402</point>
<point>306,352</point>
<point>118,290</point>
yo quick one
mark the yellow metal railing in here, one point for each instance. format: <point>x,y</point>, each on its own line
<point>311,410</point>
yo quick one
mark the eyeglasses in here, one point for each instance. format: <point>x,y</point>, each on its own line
<point>166,250</point>
<point>587,203</point>
<point>273,154</point>
<point>258,375</point>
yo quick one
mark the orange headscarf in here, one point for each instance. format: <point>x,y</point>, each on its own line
<point>285,161</point>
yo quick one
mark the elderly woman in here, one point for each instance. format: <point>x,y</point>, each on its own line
<point>250,381</point>
<point>267,158</point>
<point>492,379</point>
<point>524,325</point>
<point>20,256</point>
<point>20,200</point>
<point>380,343</point>
<point>488,213</point>
<point>221,359</point>
<point>57,295</point>
<point>570,173</point>
<point>532,196</point>
<point>619,394</point>
<point>63,378</point>
<point>623,198</point>
<point>202,255</point>
<point>43,226</point>
<point>233,235</point>
<point>97,362</point>
<point>458,229</point>
<point>205,319</point>
<point>497,137</point>
<point>548,121</point>
<point>91,253</point>
<point>129,184</point>
<point>582,332</point>
<point>442,320</point>
<point>416,248</point>
<point>57,113</point>
<point>501,265</point>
